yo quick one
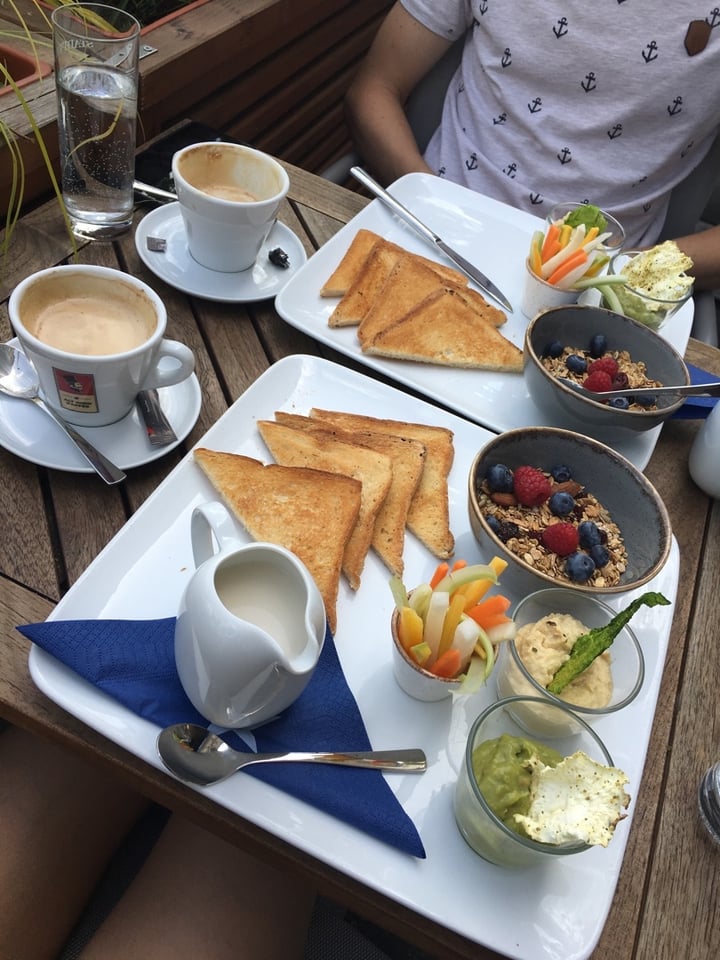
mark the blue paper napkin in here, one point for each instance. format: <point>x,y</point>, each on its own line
<point>697,408</point>
<point>134,662</point>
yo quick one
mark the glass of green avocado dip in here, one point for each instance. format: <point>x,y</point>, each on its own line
<point>494,780</point>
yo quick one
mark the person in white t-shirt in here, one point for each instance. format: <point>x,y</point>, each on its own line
<point>611,103</point>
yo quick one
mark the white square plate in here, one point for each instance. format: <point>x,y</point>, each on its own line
<point>141,574</point>
<point>493,236</point>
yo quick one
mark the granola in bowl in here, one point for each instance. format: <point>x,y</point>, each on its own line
<point>566,510</point>
<point>564,531</point>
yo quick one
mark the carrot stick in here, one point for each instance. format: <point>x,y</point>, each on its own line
<point>552,240</point>
<point>459,564</point>
<point>574,260</point>
<point>448,664</point>
<point>490,612</point>
<point>440,572</point>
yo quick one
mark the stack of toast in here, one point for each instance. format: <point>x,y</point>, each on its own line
<point>408,307</point>
<point>341,484</point>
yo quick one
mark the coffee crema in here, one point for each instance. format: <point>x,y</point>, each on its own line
<point>90,326</point>
<point>228,191</point>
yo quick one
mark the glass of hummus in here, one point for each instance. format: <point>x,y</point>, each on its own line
<point>521,800</point>
<point>548,623</point>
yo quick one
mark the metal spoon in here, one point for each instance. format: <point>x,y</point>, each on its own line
<point>156,193</point>
<point>18,378</point>
<point>686,390</point>
<point>194,754</point>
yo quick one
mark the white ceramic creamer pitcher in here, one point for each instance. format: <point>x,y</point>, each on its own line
<point>250,627</point>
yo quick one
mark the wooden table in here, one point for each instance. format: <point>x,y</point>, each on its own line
<point>55,523</point>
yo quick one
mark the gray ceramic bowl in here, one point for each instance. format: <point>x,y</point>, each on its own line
<point>632,501</point>
<point>574,326</point>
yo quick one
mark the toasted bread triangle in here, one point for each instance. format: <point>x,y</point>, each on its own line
<point>407,457</point>
<point>296,448</point>
<point>310,512</point>
<point>363,243</point>
<point>429,512</point>
<point>443,329</point>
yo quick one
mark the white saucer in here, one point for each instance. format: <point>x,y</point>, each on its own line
<point>30,433</point>
<point>176,267</point>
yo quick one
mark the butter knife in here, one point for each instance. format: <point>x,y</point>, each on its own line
<point>402,211</point>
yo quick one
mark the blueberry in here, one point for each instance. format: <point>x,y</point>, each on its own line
<point>560,473</point>
<point>645,399</point>
<point>579,567</point>
<point>493,522</point>
<point>599,554</point>
<point>619,403</point>
<point>576,364</point>
<point>499,478</point>
<point>598,345</point>
<point>553,349</point>
<point>561,504</point>
<point>589,534</point>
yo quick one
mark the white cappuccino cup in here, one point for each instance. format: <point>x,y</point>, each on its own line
<point>96,338</point>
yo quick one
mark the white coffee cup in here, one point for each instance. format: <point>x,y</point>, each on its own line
<point>95,337</point>
<point>229,197</point>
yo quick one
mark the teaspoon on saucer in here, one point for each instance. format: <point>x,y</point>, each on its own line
<point>18,378</point>
<point>194,754</point>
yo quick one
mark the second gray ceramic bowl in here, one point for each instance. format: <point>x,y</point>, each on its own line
<point>574,326</point>
<point>629,497</point>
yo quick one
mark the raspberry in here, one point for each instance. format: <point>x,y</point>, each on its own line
<point>560,538</point>
<point>530,486</point>
<point>598,381</point>
<point>608,364</point>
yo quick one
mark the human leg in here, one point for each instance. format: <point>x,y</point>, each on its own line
<point>60,821</point>
<point>197,896</point>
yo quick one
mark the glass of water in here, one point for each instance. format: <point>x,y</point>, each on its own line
<point>96,76</point>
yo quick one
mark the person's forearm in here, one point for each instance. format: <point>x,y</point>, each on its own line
<point>381,133</point>
<point>704,250</point>
<point>401,54</point>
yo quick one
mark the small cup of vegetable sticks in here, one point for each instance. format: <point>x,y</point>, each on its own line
<point>570,255</point>
<point>572,648</point>
<point>446,631</point>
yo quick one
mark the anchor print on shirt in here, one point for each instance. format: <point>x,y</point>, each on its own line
<point>472,163</point>
<point>714,18</point>
<point>615,131</point>
<point>536,198</point>
<point>589,82</point>
<point>686,149</point>
<point>675,107</point>
<point>506,58</point>
<point>650,52</point>
<point>565,155</point>
<point>501,118</point>
<point>561,27</point>
<point>510,170</point>
<point>535,105</point>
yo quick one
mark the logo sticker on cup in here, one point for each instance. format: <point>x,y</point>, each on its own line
<point>76,391</point>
